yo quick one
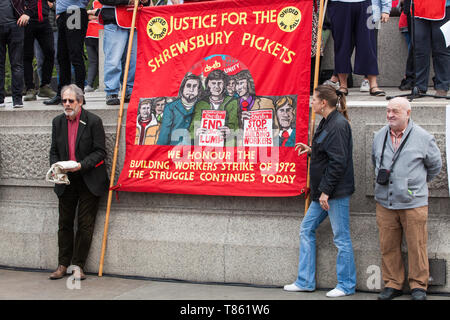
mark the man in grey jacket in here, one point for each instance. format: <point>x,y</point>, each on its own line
<point>405,157</point>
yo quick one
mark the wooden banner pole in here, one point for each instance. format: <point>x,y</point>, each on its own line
<point>116,147</point>
<point>316,82</point>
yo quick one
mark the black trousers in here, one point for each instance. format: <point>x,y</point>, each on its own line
<point>92,51</point>
<point>43,33</point>
<point>72,27</point>
<point>74,250</point>
<point>12,36</point>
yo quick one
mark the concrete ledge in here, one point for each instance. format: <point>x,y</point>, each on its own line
<point>199,238</point>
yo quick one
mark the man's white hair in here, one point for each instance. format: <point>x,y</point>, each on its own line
<point>401,101</point>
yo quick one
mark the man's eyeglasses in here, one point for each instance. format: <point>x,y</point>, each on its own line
<point>68,100</point>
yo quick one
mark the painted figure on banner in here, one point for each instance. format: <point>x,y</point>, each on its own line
<point>248,101</point>
<point>147,124</point>
<point>158,106</point>
<point>215,98</point>
<point>231,87</point>
<point>286,121</point>
<point>178,114</point>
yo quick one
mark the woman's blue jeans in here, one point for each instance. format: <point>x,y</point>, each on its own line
<point>345,263</point>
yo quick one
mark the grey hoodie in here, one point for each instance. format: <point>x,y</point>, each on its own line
<point>418,163</point>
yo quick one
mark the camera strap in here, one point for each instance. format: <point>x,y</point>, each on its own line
<point>397,153</point>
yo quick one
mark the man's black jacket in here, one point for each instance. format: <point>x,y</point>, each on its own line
<point>331,170</point>
<point>90,151</point>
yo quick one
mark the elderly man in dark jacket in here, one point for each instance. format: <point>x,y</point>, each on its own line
<point>13,18</point>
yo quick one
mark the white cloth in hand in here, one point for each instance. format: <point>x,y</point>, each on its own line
<point>56,173</point>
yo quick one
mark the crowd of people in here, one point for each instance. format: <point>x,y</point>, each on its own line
<point>44,30</point>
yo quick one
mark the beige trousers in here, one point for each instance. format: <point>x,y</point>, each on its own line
<point>391,226</point>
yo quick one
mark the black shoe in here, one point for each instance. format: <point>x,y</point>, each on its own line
<point>418,294</point>
<point>127,98</point>
<point>405,85</point>
<point>112,100</point>
<point>389,294</point>
<point>53,101</point>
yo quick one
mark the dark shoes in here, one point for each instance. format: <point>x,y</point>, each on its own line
<point>405,85</point>
<point>59,273</point>
<point>389,294</point>
<point>375,91</point>
<point>418,294</point>
<point>112,100</point>
<point>53,101</point>
<point>46,92</point>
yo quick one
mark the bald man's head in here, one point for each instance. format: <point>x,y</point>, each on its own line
<point>398,113</point>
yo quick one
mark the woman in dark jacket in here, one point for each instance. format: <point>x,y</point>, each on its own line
<point>332,184</point>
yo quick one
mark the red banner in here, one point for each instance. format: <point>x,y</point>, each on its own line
<point>220,97</point>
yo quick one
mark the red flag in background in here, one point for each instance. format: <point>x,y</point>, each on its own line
<point>248,62</point>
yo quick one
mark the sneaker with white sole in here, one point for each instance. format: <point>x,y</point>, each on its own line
<point>2,104</point>
<point>365,86</point>
<point>88,88</point>
<point>294,288</point>
<point>335,293</point>
<point>336,85</point>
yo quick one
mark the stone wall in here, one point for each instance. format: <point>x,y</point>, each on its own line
<point>200,238</point>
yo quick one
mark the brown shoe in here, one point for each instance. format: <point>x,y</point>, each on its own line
<point>79,274</point>
<point>59,273</point>
<point>441,93</point>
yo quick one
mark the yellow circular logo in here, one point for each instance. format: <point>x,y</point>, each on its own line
<point>289,18</point>
<point>157,28</point>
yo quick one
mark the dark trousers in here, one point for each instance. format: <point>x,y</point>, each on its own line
<point>12,36</point>
<point>430,39</point>
<point>76,194</point>
<point>349,27</point>
<point>409,72</point>
<point>43,33</point>
<point>92,51</point>
<point>71,36</point>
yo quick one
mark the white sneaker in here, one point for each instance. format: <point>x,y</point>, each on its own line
<point>335,293</point>
<point>293,288</point>
<point>365,86</point>
<point>336,85</point>
<point>88,89</point>
<point>2,105</point>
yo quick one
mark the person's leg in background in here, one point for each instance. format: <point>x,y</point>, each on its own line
<point>45,38</point>
<point>441,56</point>
<point>15,50</point>
<point>92,52</point>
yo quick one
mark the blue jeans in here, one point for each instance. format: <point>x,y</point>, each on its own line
<point>340,223</point>
<point>115,46</point>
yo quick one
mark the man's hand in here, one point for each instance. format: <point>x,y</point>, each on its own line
<point>77,168</point>
<point>201,131</point>
<point>245,115</point>
<point>302,148</point>
<point>92,14</point>
<point>225,131</point>
<point>323,200</point>
<point>23,20</point>
<point>384,17</point>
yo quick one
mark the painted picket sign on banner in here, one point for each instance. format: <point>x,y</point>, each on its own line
<point>220,97</point>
